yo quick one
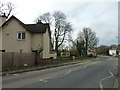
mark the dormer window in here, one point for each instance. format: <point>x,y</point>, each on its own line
<point>21,35</point>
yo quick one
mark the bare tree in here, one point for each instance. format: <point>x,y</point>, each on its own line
<point>80,45</point>
<point>1,8</point>
<point>46,18</point>
<point>60,27</point>
<point>90,39</point>
<point>86,41</point>
<point>6,9</point>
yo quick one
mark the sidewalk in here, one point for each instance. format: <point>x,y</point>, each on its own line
<point>38,68</point>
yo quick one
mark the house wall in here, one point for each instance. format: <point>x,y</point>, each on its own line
<point>2,20</point>
<point>34,41</point>
<point>37,41</point>
<point>46,45</point>
<point>0,38</point>
<point>9,38</point>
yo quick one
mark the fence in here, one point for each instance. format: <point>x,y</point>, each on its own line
<point>11,59</point>
<point>17,60</point>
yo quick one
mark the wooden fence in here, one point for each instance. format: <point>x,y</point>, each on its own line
<point>15,59</point>
<point>12,60</point>
<point>0,62</point>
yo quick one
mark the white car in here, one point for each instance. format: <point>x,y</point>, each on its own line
<point>115,55</point>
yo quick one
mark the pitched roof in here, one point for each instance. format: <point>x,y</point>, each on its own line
<point>37,28</point>
<point>33,28</point>
<point>12,17</point>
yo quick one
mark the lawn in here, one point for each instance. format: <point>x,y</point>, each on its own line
<point>65,57</point>
<point>88,58</point>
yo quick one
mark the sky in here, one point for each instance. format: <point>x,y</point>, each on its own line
<point>100,16</point>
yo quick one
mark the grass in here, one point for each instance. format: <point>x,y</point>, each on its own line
<point>62,57</point>
<point>88,58</point>
<point>65,57</point>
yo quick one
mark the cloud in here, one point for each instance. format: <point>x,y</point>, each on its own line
<point>102,17</point>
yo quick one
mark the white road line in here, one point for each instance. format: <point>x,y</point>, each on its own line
<point>84,67</point>
<point>46,79</point>
<point>101,85</point>
<point>94,63</point>
<point>15,74</point>
<point>108,77</point>
<point>43,80</point>
<point>68,72</point>
<point>100,82</point>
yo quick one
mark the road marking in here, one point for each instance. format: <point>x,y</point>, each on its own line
<point>94,63</point>
<point>43,80</point>
<point>68,72</point>
<point>15,74</point>
<point>101,85</point>
<point>85,67</point>
<point>100,82</point>
<point>46,79</point>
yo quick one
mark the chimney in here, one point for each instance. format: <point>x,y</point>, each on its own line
<point>39,22</point>
<point>2,19</point>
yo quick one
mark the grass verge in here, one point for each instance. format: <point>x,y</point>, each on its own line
<point>88,58</point>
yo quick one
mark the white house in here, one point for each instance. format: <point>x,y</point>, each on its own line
<point>112,52</point>
<point>15,36</point>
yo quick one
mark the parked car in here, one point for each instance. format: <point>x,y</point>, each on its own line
<point>115,55</point>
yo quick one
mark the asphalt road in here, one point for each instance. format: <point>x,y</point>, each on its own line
<point>97,73</point>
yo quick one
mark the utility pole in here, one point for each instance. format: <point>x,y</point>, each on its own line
<point>118,49</point>
<point>119,45</point>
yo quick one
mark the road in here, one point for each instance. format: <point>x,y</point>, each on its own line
<point>97,73</point>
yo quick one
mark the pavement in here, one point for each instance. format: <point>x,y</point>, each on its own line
<point>57,65</point>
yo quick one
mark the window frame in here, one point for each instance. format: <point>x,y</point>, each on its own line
<point>21,36</point>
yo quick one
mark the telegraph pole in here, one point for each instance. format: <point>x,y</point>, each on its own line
<point>118,76</point>
<point>119,45</point>
<point>118,49</point>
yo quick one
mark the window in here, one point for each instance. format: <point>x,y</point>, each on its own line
<point>21,35</point>
<point>2,50</point>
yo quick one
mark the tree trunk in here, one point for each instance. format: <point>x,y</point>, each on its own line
<point>56,46</point>
<point>56,49</point>
<point>86,47</point>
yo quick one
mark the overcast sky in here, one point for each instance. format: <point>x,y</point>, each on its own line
<point>100,16</point>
